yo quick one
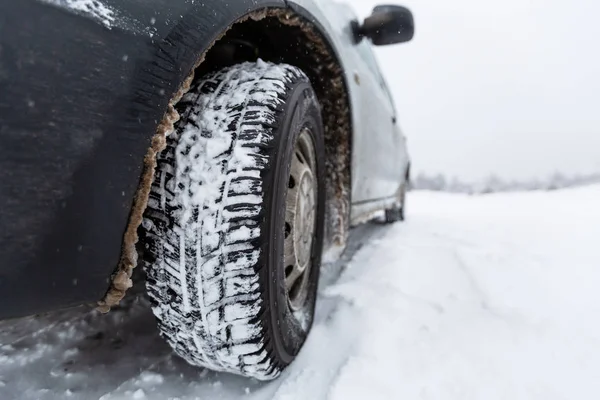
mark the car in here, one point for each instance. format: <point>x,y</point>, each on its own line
<point>226,146</point>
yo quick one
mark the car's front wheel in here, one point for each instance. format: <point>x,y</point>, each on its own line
<point>234,226</point>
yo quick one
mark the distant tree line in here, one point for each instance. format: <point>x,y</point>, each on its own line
<point>495,184</point>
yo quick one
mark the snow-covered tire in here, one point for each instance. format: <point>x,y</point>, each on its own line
<point>215,224</point>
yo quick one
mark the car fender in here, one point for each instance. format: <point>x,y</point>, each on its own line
<point>78,113</point>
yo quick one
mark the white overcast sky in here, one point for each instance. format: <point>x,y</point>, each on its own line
<point>509,87</point>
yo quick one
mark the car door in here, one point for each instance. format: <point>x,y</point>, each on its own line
<point>377,170</point>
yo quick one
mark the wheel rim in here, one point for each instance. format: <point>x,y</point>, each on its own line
<point>300,221</point>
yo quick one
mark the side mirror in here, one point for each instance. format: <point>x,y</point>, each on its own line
<point>386,25</point>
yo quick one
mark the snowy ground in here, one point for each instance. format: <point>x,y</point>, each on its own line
<point>486,297</point>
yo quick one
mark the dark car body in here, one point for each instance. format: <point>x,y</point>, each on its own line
<point>82,91</point>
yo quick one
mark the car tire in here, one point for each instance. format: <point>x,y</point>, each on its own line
<point>394,214</point>
<point>228,202</point>
<point>397,212</point>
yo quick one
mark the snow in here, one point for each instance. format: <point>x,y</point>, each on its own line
<point>93,8</point>
<point>474,297</point>
<point>139,394</point>
<point>208,136</point>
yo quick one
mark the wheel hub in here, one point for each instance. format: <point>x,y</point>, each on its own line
<point>304,224</point>
<point>300,221</point>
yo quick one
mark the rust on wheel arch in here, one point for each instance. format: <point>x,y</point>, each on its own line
<point>121,279</point>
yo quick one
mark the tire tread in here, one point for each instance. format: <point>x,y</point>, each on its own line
<point>204,282</point>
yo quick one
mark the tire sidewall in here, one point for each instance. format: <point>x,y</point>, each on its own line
<point>301,111</point>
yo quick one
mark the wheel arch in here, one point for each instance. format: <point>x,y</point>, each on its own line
<point>185,53</point>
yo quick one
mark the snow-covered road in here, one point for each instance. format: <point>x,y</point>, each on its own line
<point>483,297</point>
